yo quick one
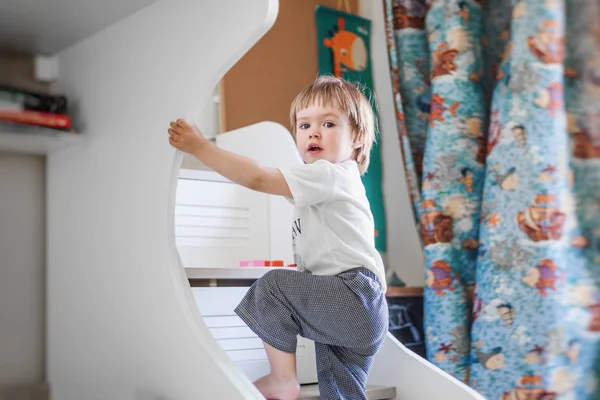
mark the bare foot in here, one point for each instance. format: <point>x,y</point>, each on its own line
<point>275,388</point>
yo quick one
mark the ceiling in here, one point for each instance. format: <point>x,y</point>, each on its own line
<point>48,26</point>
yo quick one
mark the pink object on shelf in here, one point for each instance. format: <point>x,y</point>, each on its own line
<point>264,263</point>
<point>255,263</point>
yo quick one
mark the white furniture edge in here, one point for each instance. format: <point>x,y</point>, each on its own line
<point>414,377</point>
<point>229,273</point>
<point>178,273</point>
<point>102,60</point>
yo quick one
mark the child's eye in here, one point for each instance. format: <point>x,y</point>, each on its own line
<point>329,124</point>
<point>304,126</point>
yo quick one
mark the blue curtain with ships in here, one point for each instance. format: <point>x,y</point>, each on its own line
<point>498,113</point>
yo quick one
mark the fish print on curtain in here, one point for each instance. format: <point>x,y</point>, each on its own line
<point>530,334</point>
<point>453,171</point>
<point>524,253</point>
<point>407,40</point>
<point>444,117</point>
<point>520,117</point>
<point>582,103</point>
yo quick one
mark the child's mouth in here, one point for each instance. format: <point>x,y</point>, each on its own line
<point>314,150</point>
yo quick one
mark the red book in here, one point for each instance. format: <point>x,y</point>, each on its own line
<point>50,120</point>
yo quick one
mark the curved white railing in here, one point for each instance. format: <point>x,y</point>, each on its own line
<point>121,321</point>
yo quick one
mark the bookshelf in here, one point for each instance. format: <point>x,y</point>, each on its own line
<point>28,139</point>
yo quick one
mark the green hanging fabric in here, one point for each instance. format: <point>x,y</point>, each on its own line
<point>337,31</point>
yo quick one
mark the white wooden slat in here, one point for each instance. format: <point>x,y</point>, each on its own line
<point>218,301</point>
<point>212,221</point>
<point>232,333</point>
<point>248,355</point>
<point>217,305</point>
<point>243,341</point>
<point>241,344</point>
<point>238,230</point>
<point>189,247</point>
<point>212,232</point>
<point>206,211</point>
<point>201,175</point>
<point>223,321</point>
<point>215,194</point>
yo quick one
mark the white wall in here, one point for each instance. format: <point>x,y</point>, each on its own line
<point>22,269</point>
<point>404,251</point>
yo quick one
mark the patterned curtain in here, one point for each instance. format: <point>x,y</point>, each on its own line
<point>498,111</point>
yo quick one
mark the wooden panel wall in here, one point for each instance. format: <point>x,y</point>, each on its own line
<point>19,70</point>
<point>262,85</point>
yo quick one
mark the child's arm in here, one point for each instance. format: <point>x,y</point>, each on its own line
<point>239,169</point>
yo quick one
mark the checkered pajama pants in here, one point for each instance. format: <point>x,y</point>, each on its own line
<point>345,315</point>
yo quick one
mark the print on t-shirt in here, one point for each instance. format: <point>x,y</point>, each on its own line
<point>297,230</point>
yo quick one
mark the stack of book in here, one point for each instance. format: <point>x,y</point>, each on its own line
<point>37,109</point>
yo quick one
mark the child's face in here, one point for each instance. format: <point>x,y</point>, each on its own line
<point>323,133</point>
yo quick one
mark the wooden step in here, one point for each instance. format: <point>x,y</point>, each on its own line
<point>311,392</point>
<point>36,391</point>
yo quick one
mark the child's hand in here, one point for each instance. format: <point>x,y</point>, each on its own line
<point>186,137</point>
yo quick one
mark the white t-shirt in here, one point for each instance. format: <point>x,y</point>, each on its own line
<point>333,228</point>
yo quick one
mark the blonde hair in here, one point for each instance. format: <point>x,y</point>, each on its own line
<point>335,92</point>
